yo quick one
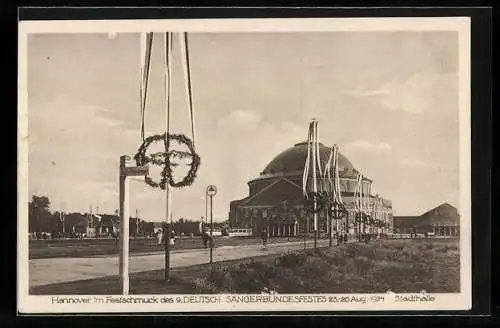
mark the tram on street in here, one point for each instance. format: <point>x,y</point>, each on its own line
<point>239,232</point>
<point>215,231</point>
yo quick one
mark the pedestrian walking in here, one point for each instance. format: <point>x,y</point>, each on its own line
<point>264,239</point>
<point>159,236</point>
<point>204,237</point>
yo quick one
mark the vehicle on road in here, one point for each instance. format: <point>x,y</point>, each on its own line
<point>239,232</point>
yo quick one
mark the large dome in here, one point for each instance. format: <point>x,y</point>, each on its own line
<point>293,159</point>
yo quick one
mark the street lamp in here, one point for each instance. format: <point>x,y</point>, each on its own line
<point>61,218</point>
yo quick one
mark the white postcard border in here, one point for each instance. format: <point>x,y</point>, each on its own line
<point>455,301</point>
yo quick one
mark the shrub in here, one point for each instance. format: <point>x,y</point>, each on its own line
<point>204,286</point>
<point>291,260</point>
<point>373,267</point>
<point>443,249</point>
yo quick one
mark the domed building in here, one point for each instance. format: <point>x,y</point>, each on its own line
<point>276,201</point>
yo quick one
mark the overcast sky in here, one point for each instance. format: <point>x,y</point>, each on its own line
<point>388,99</point>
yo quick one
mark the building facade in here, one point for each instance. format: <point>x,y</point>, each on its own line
<point>276,202</point>
<point>441,221</point>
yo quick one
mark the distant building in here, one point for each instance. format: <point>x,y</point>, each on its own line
<point>108,224</point>
<point>91,225</point>
<point>442,220</point>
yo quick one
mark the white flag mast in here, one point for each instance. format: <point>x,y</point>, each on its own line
<point>313,154</point>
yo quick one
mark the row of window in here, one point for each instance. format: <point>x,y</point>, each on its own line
<point>351,214</point>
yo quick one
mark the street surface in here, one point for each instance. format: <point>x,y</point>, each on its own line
<point>57,270</point>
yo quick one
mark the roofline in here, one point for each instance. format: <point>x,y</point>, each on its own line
<point>299,174</point>
<point>270,185</point>
<point>238,202</point>
<point>438,206</point>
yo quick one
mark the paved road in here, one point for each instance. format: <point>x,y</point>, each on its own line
<point>56,270</point>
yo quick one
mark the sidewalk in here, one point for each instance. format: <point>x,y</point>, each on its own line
<point>56,270</point>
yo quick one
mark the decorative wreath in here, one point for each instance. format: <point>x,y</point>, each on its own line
<point>342,212</point>
<point>164,159</point>
<point>363,218</point>
<point>320,198</point>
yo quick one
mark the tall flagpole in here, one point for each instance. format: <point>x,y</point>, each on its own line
<point>315,182</point>
<point>363,207</point>
<point>329,225</point>
<point>167,48</point>
<point>328,185</point>
<point>184,49</point>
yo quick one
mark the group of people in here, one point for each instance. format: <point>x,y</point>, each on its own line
<point>161,237</point>
<point>341,238</point>
<point>208,240</point>
<point>366,237</point>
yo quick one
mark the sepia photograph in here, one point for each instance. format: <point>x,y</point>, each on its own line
<point>244,165</point>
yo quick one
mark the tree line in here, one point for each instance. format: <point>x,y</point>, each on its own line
<point>42,220</point>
